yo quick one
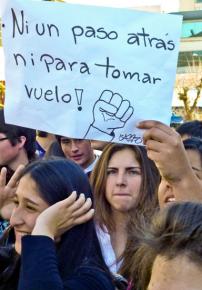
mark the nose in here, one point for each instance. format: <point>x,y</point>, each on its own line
<point>74,146</point>
<point>167,185</point>
<point>121,179</point>
<point>16,217</point>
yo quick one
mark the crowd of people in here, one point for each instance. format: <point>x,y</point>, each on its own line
<point>122,217</point>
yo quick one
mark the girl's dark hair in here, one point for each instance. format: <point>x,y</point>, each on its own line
<point>9,261</point>
<point>56,179</point>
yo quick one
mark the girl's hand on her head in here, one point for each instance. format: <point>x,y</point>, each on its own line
<point>8,190</point>
<point>64,215</point>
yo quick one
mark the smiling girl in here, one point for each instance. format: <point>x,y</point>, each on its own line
<point>54,232</point>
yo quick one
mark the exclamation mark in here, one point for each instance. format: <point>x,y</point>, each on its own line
<point>79,94</point>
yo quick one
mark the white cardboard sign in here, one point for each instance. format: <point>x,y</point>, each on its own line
<point>88,72</point>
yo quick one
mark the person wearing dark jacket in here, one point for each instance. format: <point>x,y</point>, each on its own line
<point>55,246</point>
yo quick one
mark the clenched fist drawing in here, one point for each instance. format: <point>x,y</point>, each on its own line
<point>110,112</point>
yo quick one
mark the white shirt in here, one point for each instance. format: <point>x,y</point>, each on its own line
<point>107,249</point>
<point>90,167</point>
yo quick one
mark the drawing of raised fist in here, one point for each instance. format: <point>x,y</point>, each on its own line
<point>110,112</point>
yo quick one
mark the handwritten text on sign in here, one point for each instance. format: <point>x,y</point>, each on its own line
<point>88,72</point>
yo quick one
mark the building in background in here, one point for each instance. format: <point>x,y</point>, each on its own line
<point>188,84</point>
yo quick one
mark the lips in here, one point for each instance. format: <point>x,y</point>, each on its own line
<point>169,199</point>
<point>121,194</point>
<point>77,157</point>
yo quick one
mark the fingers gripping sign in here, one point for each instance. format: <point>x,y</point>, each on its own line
<point>110,112</point>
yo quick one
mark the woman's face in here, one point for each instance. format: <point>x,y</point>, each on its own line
<point>166,191</point>
<point>123,180</point>
<point>29,205</point>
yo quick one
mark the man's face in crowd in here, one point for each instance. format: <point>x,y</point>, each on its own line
<point>8,152</point>
<point>78,150</point>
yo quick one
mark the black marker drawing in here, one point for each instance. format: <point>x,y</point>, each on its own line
<point>79,94</point>
<point>110,112</point>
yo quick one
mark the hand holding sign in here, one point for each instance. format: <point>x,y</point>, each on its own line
<point>110,112</point>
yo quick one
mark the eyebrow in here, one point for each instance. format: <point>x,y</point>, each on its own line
<point>27,200</point>
<point>31,201</point>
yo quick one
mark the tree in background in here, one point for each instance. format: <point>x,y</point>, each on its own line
<point>189,87</point>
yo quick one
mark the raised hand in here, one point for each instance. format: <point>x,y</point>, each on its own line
<point>165,147</point>
<point>7,191</point>
<point>64,215</point>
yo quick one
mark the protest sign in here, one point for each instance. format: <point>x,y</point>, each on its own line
<point>88,72</point>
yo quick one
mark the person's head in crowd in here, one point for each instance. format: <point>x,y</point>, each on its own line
<point>124,183</point>
<point>43,142</point>
<point>78,150</point>
<point>193,147</point>
<point>190,129</point>
<point>123,179</point>
<point>41,184</point>
<point>39,177</point>
<point>54,150</point>
<point>17,144</point>
<point>168,254</point>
